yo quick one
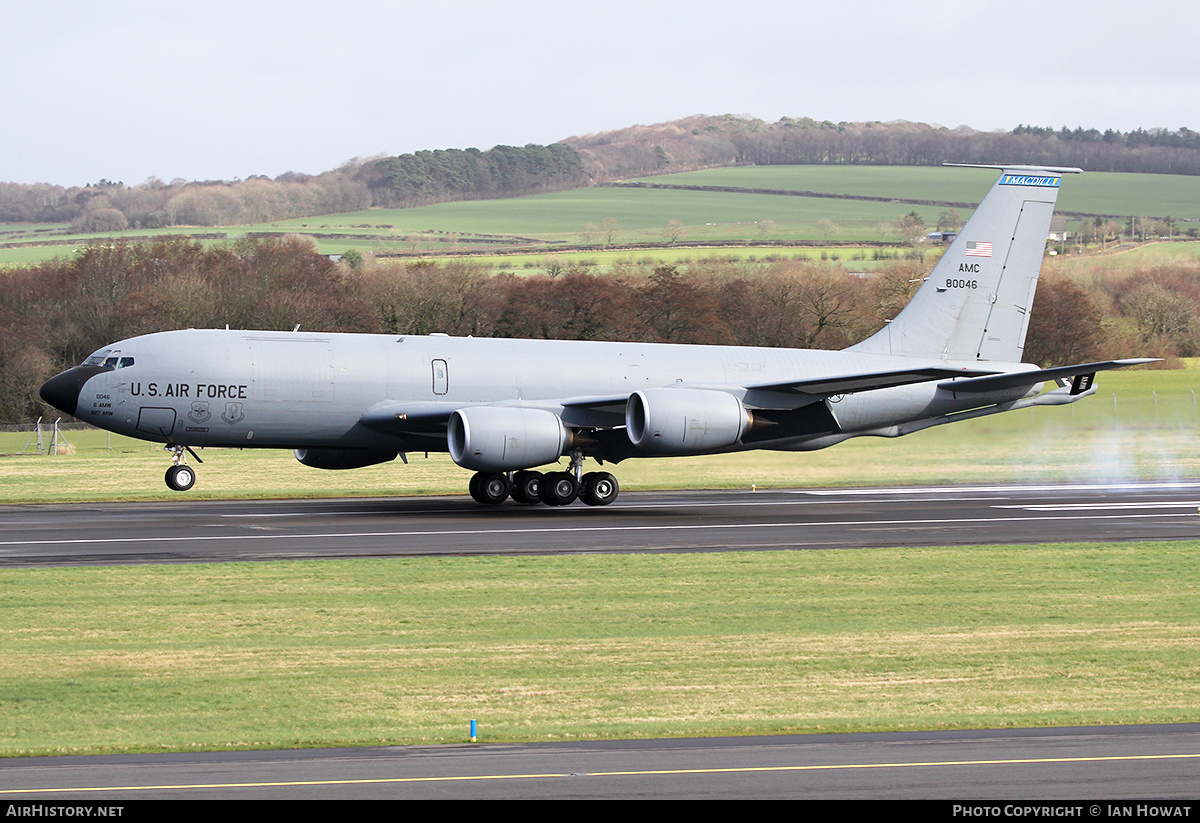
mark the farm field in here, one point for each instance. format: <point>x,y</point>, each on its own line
<point>1097,193</point>
<point>855,258</point>
<point>642,214</point>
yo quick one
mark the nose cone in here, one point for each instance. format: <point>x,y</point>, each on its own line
<point>62,390</point>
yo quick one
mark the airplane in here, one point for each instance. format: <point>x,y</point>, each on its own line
<point>503,407</point>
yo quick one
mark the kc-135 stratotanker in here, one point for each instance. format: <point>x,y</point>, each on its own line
<point>504,407</point>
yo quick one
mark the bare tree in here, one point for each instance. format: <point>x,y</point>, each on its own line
<point>827,227</point>
<point>609,227</point>
<point>674,231</point>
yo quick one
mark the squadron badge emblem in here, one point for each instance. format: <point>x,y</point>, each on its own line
<point>233,413</point>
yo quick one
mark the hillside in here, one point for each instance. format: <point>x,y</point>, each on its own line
<point>448,175</point>
<point>705,142</point>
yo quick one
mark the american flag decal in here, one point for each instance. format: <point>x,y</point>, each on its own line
<point>979,248</point>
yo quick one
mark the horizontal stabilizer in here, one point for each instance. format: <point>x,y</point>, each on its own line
<point>850,383</point>
<point>1000,382</point>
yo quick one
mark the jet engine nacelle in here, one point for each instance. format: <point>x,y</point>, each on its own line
<point>500,438</point>
<point>343,458</point>
<point>684,421</point>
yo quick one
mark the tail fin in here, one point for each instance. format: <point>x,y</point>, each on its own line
<point>975,305</point>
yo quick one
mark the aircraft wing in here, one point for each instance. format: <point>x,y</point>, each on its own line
<point>999,382</point>
<point>849,383</point>
<point>608,411</point>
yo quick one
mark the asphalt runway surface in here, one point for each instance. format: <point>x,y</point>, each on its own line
<point>1126,762</point>
<point>1081,765</point>
<point>115,533</point>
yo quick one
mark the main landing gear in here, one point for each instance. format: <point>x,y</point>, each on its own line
<point>552,488</point>
<point>181,476</point>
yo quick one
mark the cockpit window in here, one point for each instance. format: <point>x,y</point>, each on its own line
<point>108,359</point>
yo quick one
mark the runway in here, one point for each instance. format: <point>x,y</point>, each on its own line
<point>1022,766</point>
<point>1045,764</point>
<point>198,531</point>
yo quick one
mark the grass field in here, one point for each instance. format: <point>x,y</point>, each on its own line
<point>854,258</point>
<point>707,216</point>
<point>371,652</point>
<point>1089,193</point>
<point>641,213</point>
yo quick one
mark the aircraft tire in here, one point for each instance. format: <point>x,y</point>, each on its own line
<point>489,489</point>
<point>599,489</point>
<point>525,487</point>
<point>180,478</point>
<point>559,489</point>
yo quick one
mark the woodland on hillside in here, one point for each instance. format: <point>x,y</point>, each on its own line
<point>54,314</point>
<point>702,142</point>
<point>506,171</point>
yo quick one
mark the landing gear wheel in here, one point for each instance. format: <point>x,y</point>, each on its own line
<point>180,478</point>
<point>559,489</point>
<point>490,489</point>
<point>599,489</point>
<point>525,487</point>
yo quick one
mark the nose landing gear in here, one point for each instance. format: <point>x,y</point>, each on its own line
<point>180,476</point>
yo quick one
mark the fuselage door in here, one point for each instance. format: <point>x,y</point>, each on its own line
<point>441,378</point>
<point>158,421</point>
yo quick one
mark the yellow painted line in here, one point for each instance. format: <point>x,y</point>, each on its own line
<point>635,773</point>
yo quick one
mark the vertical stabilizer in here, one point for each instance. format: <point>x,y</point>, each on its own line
<point>975,305</point>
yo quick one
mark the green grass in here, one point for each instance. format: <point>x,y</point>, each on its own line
<point>707,216</point>
<point>1156,254</point>
<point>642,214</point>
<point>370,652</point>
<point>855,258</point>
<point>1122,194</point>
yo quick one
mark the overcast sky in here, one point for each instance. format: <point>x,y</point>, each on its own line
<point>128,89</point>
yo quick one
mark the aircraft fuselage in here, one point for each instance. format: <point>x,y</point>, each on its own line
<point>202,387</point>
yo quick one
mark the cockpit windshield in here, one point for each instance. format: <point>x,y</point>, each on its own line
<point>109,359</point>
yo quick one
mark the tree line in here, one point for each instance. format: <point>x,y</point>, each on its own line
<point>54,314</point>
<point>471,174</point>
<point>703,141</point>
<point>407,180</point>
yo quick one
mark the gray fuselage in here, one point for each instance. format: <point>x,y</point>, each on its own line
<point>200,387</point>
